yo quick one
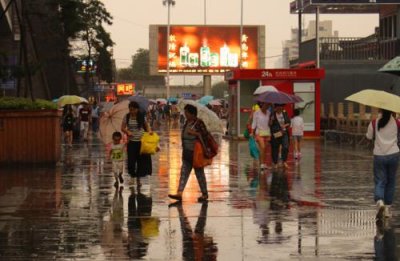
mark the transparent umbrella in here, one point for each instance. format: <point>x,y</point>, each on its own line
<point>210,119</point>
<point>111,120</point>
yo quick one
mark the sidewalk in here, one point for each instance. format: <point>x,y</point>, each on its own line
<point>320,209</point>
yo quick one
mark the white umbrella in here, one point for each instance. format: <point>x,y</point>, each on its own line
<point>161,100</point>
<point>210,119</point>
<point>215,103</point>
<point>265,88</point>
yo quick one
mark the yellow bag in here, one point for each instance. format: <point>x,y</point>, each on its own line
<point>149,143</point>
<point>149,226</point>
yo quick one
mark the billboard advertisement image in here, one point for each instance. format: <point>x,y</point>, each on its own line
<point>207,49</point>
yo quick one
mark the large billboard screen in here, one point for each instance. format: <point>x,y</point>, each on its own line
<point>206,49</point>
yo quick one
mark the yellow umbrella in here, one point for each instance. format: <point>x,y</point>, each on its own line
<point>111,120</point>
<point>70,99</point>
<point>377,99</point>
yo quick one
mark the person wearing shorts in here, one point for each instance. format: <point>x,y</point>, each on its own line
<point>260,128</point>
<point>297,125</point>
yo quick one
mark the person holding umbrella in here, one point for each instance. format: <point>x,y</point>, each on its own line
<point>279,125</point>
<point>139,165</point>
<point>260,124</point>
<point>384,133</point>
<point>193,129</point>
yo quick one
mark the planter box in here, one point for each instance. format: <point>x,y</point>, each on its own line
<point>30,136</point>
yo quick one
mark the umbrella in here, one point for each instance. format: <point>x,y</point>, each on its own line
<point>172,99</point>
<point>142,101</point>
<point>275,97</point>
<point>206,99</point>
<point>210,119</point>
<point>215,103</point>
<point>70,99</point>
<point>161,100</point>
<point>296,98</point>
<point>378,99</point>
<point>265,88</point>
<point>393,66</point>
<point>111,120</point>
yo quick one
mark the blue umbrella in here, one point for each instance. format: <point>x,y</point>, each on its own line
<point>173,99</point>
<point>206,99</point>
<point>142,101</point>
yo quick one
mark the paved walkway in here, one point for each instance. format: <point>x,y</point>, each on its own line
<point>320,209</point>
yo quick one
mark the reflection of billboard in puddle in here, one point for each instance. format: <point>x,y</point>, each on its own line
<point>205,49</point>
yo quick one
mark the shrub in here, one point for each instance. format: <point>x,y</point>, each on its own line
<point>15,103</point>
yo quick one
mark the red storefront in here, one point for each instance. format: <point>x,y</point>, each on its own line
<point>302,82</point>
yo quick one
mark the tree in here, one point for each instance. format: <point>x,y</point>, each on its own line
<point>219,89</point>
<point>82,22</point>
<point>139,69</point>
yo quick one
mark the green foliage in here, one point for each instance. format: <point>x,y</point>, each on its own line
<point>125,74</point>
<point>14,103</point>
<point>139,69</point>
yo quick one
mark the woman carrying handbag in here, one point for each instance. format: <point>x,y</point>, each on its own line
<point>279,125</point>
<point>194,131</point>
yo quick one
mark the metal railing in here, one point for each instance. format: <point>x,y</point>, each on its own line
<point>371,48</point>
<point>351,48</point>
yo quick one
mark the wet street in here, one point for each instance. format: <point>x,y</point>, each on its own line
<point>320,209</point>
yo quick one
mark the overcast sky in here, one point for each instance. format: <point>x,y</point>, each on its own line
<point>130,30</point>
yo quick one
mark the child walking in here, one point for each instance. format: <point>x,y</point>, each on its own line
<point>297,133</point>
<point>117,158</point>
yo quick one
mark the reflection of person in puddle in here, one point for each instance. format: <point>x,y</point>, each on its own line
<point>117,216</point>
<point>113,236</point>
<point>196,244</point>
<point>279,201</point>
<point>141,225</point>
<point>384,242</point>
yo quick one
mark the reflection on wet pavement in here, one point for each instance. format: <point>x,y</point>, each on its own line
<point>321,208</point>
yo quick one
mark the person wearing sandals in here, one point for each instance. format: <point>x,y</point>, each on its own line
<point>134,125</point>
<point>260,126</point>
<point>193,129</point>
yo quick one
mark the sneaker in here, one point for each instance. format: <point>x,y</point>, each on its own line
<point>388,211</point>
<point>380,209</point>
<point>121,180</point>
<point>262,166</point>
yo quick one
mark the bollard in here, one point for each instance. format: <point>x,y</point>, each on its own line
<point>350,110</point>
<point>340,110</point>
<point>331,112</point>
<point>361,109</point>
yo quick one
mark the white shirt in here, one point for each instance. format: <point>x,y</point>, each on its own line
<point>261,121</point>
<point>297,126</point>
<point>385,139</point>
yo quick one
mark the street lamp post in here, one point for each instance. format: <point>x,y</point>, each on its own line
<point>168,3</point>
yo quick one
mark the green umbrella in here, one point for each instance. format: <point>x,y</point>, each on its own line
<point>393,66</point>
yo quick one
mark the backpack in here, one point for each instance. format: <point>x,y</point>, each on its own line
<point>398,130</point>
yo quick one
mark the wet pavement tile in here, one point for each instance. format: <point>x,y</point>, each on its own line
<point>321,208</point>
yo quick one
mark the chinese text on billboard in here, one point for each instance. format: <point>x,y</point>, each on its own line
<point>207,49</point>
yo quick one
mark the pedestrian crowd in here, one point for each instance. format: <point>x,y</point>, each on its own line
<point>269,126</point>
